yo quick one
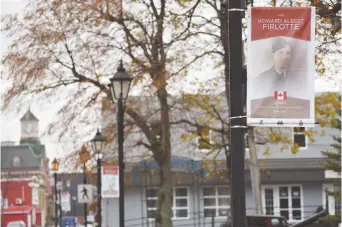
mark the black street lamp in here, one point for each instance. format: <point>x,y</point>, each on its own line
<point>74,208</point>
<point>119,88</point>
<point>84,157</point>
<point>98,142</point>
<point>55,167</point>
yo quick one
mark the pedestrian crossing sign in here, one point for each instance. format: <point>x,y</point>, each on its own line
<point>85,193</point>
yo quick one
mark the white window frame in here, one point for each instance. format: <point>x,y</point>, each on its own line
<point>151,198</point>
<point>216,197</point>
<point>300,133</point>
<point>276,198</point>
<point>331,199</point>
<point>211,142</point>
<point>174,207</point>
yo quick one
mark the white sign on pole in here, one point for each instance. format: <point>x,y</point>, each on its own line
<point>59,185</point>
<point>281,67</point>
<point>85,193</point>
<point>110,182</point>
<point>65,201</point>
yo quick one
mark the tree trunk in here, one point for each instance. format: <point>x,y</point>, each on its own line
<point>163,157</point>
<point>165,197</point>
<point>255,171</point>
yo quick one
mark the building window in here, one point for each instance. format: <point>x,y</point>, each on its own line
<point>300,138</point>
<point>35,196</point>
<point>334,203</point>
<point>152,197</point>
<point>285,200</point>
<point>180,204</point>
<point>68,183</point>
<point>204,140</point>
<point>5,203</point>
<point>269,201</point>
<point>16,161</point>
<point>216,201</point>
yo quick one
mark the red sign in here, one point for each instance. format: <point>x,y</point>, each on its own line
<point>110,170</point>
<point>291,22</point>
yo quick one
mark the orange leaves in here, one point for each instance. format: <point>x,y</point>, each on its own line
<point>60,36</point>
<point>315,2</point>
<point>84,155</point>
<point>40,11</point>
<point>327,20</point>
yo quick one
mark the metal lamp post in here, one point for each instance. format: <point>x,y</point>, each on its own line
<point>119,88</point>
<point>98,142</point>
<point>74,208</point>
<point>55,167</point>
<point>84,157</point>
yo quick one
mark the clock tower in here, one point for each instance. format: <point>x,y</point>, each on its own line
<point>29,126</point>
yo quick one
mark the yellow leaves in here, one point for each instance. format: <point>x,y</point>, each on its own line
<point>262,164</point>
<point>284,147</point>
<point>326,107</point>
<point>188,136</point>
<point>274,137</point>
<point>267,152</point>
<point>97,21</point>
<point>299,4</point>
<point>194,25</point>
<point>323,132</point>
<point>219,64</point>
<point>219,162</point>
<point>295,148</point>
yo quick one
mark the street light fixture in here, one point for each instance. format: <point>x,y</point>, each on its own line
<point>120,83</point>
<point>55,168</point>
<point>119,88</point>
<point>98,142</point>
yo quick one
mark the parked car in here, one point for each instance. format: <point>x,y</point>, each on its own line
<point>16,224</point>
<point>69,221</point>
<point>262,221</point>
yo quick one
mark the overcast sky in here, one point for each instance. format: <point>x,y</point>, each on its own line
<point>10,124</point>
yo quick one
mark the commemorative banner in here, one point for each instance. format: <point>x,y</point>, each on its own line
<point>281,66</point>
<point>110,182</point>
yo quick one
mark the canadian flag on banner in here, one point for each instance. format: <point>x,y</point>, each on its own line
<point>280,95</point>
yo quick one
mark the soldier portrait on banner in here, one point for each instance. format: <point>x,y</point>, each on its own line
<point>280,66</point>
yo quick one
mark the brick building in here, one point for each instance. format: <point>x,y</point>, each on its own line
<point>24,177</point>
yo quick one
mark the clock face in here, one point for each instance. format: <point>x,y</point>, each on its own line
<point>28,128</point>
